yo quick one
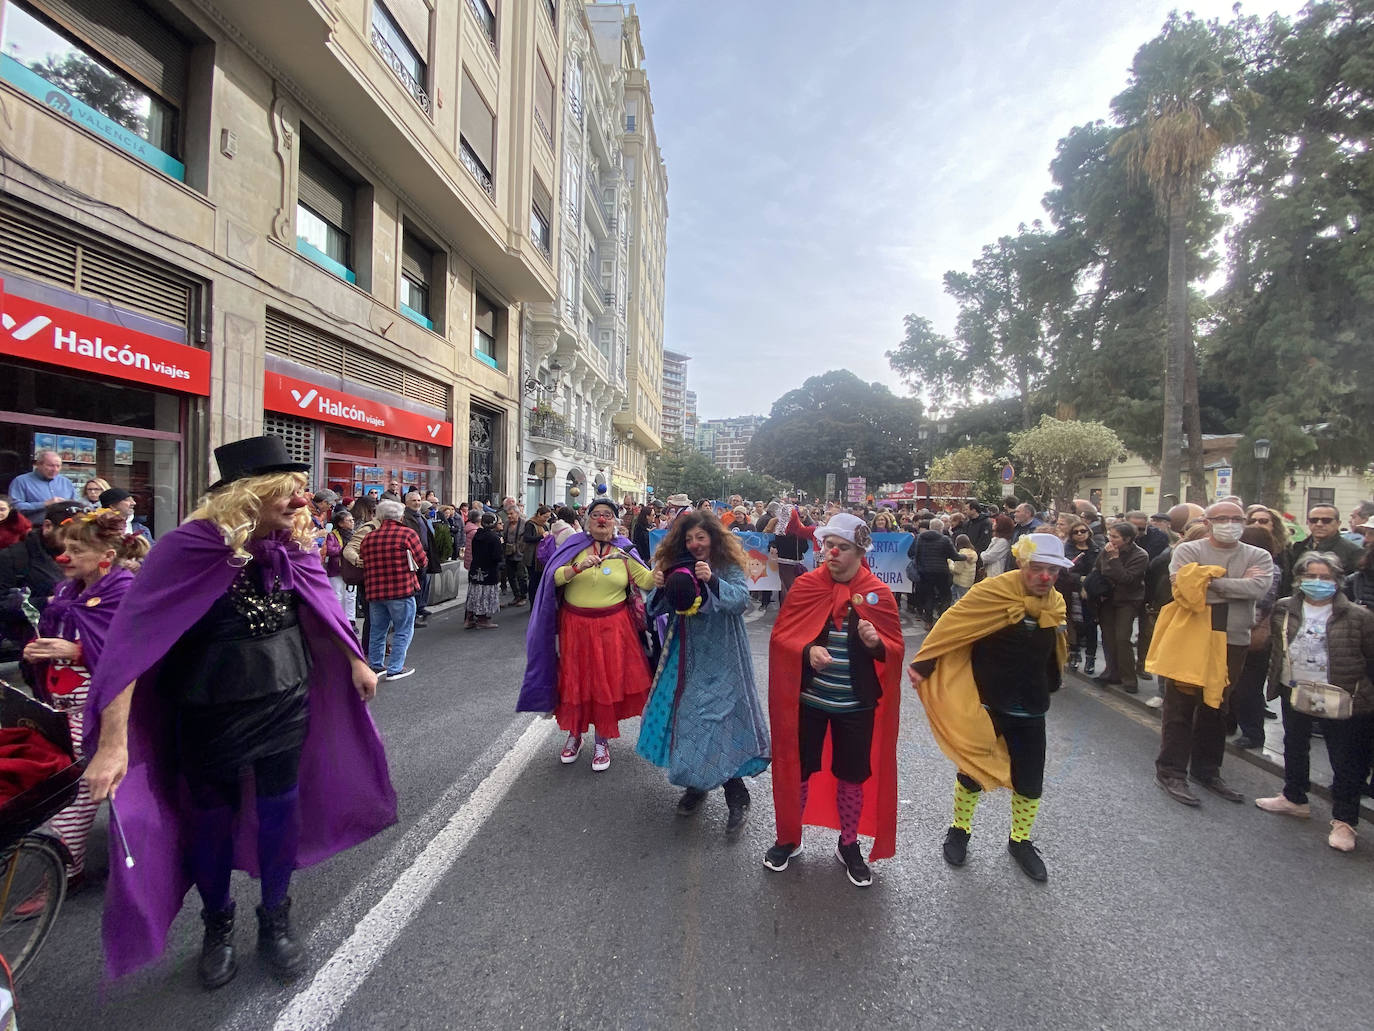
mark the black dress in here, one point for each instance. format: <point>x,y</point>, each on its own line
<point>240,680</point>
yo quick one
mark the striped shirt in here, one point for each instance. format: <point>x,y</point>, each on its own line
<point>830,690</point>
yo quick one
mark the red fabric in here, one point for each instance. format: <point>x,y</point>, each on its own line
<point>795,528</point>
<point>386,573</point>
<point>27,758</point>
<point>813,599</point>
<point>15,528</point>
<point>603,676</point>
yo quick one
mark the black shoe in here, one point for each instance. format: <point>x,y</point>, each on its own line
<point>737,803</point>
<point>1073,663</point>
<point>1145,676</point>
<point>421,622</point>
<point>1089,664</point>
<point>956,846</point>
<point>690,801</point>
<point>1219,787</point>
<point>1177,789</point>
<point>1028,858</point>
<point>275,943</point>
<point>1245,741</point>
<point>1131,688</point>
<point>217,966</point>
<point>1105,681</point>
<point>1270,714</point>
<point>854,866</point>
<point>776,857</point>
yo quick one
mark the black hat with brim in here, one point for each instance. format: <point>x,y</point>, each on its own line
<point>254,456</point>
<point>113,496</point>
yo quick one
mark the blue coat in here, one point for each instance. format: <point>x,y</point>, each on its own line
<point>703,722</point>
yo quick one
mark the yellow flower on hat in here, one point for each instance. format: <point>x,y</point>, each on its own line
<point>1024,549</point>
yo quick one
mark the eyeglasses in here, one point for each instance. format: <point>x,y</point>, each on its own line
<point>1083,530</point>
<point>1321,519</point>
<point>1258,522</point>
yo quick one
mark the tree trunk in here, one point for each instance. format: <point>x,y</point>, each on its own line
<point>1197,473</point>
<point>1023,385</point>
<point>1176,346</point>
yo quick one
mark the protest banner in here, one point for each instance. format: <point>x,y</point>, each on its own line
<point>887,559</point>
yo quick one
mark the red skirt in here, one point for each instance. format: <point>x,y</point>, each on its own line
<point>603,674</point>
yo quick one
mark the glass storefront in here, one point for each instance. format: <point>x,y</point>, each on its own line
<point>356,462</point>
<point>129,436</point>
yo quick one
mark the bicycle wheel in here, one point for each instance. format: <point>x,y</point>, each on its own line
<point>33,883</point>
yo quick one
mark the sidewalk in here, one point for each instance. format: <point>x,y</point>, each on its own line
<point>1270,757</point>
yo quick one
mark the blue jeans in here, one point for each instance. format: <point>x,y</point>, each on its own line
<point>383,615</point>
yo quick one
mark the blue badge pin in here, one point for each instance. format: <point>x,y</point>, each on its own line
<point>872,597</point>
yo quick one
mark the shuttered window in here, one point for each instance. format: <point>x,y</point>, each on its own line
<point>484,330</point>
<point>305,345</point>
<point>543,99</point>
<point>478,133</point>
<point>324,214</point>
<point>417,263</point>
<point>412,17</point>
<point>130,36</point>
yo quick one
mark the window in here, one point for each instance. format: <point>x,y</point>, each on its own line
<point>120,73</point>
<point>540,230</point>
<point>486,17</point>
<point>399,53</point>
<point>631,110</point>
<point>543,100</point>
<point>484,331</point>
<point>551,9</point>
<point>417,265</point>
<point>1320,496</point>
<point>324,214</point>
<point>477,136</point>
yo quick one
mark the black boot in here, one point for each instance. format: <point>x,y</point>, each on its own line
<point>690,801</point>
<point>737,803</point>
<point>275,943</point>
<point>217,966</point>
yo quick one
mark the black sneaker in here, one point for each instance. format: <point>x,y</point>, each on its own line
<point>956,846</point>
<point>737,803</point>
<point>400,674</point>
<point>690,801</point>
<point>1028,858</point>
<point>854,866</point>
<point>776,857</point>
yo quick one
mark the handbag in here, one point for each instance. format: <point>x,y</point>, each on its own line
<point>1314,697</point>
<point>1097,587</point>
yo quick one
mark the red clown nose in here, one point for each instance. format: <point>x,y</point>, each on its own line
<point>834,552</point>
<point>62,560</point>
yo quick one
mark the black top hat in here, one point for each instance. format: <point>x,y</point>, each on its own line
<point>254,456</point>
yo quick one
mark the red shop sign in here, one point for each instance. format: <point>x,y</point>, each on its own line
<point>55,336</point>
<point>281,393</point>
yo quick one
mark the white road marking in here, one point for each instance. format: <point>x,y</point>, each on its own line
<point>320,1004</point>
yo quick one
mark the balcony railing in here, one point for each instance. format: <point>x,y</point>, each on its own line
<point>548,426</point>
<point>474,165</point>
<point>487,20</point>
<point>543,126</point>
<point>403,73</point>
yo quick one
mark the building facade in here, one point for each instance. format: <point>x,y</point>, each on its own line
<point>638,424</point>
<point>674,405</point>
<point>725,441</point>
<point>310,219</point>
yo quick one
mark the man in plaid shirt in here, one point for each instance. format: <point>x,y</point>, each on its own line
<point>390,556</point>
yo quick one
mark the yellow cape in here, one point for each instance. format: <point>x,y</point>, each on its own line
<point>1185,648</point>
<point>961,725</point>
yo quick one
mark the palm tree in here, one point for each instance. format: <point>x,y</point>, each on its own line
<point>1185,103</point>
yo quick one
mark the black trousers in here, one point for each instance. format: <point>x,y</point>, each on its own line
<point>851,742</point>
<point>1025,738</point>
<point>1247,696</point>
<point>1350,747</point>
<point>273,775</point>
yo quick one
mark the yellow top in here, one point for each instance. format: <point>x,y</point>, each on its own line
<point>601,586</point>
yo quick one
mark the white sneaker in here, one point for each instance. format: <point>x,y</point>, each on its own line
<point>1154,703</point>
<point>1342,836</point>
<point>1280,804</point>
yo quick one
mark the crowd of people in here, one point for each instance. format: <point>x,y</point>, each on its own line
<point>218,679</point>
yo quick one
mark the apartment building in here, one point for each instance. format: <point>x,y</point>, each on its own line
<point>616,34</point>
<point>312,219</point>
<point>576,345</point>
<point>725,441</point>
<point>674,406</point>
<point>690,419</point>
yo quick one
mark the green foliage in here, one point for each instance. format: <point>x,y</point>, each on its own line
<point>972,462</point>
<point>95,87</point>
<point>809,429</point>
<point>682,469</point>
<point>443,541</point>
<point>1059,453</point>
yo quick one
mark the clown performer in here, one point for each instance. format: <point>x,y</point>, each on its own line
<point>834,664</point>
<point>585,659</point>
<point>985,675</point>
<point>228,721</point>
<point>703,722</point>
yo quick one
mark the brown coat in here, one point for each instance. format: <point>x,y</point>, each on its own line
<point>1349,648</point>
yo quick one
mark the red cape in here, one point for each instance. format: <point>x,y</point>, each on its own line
<point>813,599</point>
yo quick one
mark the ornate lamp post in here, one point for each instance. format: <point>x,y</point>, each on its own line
<point>848,463</point>
<point>1261,457</point>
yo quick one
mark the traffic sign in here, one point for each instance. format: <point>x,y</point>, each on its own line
<point>1008,474</point>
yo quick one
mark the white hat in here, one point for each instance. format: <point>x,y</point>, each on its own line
<point>845,526</point>
<point>678,501</point>
<point>1041,547</point>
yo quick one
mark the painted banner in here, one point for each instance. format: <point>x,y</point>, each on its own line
<point>43,333</point>
<point>282,393</point>
<point>887,559</point>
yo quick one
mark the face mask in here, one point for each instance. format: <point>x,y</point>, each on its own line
<point>1227,533</point>
<point>1318,590</point>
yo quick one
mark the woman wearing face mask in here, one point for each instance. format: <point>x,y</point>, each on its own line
<point>1320,635</point>
<point>703,723</point>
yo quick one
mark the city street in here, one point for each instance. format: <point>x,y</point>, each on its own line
<point>519,893</point>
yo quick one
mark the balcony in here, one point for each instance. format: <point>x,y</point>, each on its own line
<point>543,126</point>
<point>487,20</point>
<point>475,168</point>
<point>548,426</point>
<point>403,73</point>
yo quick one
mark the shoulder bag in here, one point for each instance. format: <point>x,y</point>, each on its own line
<point>1314,697</point>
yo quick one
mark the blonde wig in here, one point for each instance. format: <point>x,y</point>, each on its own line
<point>235,507</point>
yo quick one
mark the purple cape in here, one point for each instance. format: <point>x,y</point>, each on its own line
<point>539,692</point>
<point>71,614</point>
<point>345,787</point>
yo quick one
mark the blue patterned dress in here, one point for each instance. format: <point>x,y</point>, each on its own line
<point>703,722</point>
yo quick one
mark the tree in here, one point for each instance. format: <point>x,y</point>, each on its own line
<point>1060,453</point>
<point>809,428</point>
<point>98,89</point>
<point>972,462</point>
<point>1186,101</point>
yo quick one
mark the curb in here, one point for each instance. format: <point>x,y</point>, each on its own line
<point>1253,756</point>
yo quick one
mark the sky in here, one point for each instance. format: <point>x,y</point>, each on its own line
<point>829,162</point>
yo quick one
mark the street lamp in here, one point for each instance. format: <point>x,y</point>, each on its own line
<point>848,463</point>
<point>1261,457</point>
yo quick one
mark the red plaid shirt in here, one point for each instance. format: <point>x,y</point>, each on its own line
<point>386,572</point>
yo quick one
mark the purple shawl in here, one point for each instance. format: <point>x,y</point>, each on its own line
<point>85,613</point>
<point>345,787</point>
<point>539,692</point>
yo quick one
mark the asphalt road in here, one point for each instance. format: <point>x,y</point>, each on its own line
<point>579,900</point>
